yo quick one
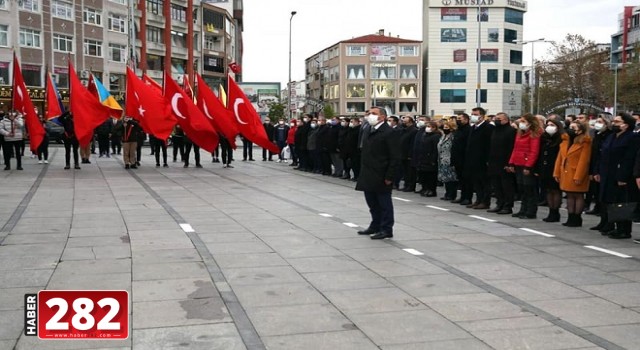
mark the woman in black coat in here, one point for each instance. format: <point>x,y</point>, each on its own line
<point>549,147</point>
<point>602,131</point>
<point>615,173</point>
<point>424,157</point>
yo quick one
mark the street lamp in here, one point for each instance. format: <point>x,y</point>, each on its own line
<point>533,66</point>
<point>615,82</point>
<point>293,13</point>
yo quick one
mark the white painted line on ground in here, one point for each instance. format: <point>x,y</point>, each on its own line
<point>326,215</point>
<point>482,218</point>
<point>187,228</point>
<point>537,232</point>
<point>350,224</point>
<point>413,251</point>
<point>402,199</point>
<point>437,208</point>
<point>608,251</point>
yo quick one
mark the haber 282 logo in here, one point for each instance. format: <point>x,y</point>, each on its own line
<point>77,314</point>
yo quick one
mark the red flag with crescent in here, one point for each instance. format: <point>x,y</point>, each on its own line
<point>146,104</point>
<point>88,112</point>
<point>212,108</point>
<point>247,118</point>
<point>195,125</point>
<point>22,103</point>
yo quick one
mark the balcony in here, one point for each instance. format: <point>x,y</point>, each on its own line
<point>156,46</point>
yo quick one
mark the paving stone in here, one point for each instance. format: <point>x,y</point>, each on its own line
<point>511,323</point>
<point>222,248</point>
<point>297,319</point>
<point>354,340</point>
<point>262,275</point>
<point>278,294</point>
<point>24,278</point>
<point>625,294</point>
<point>160,271</point>
<point>221,336</point>
<point>579,275</point>
<point>467,344</point>
<point>186,288</point>
<point>250,260</point>
<point>434,285</point>
<point>531,289</point>
<point>324,264</point>
<point>588,312</point>
<point>625,336</point>
<point>173,313</point>
<point>341,280</point>
<point>547,338</point>
<point>374,300</point>
<point>9,328</point>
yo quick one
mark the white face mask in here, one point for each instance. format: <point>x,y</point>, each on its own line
<point>306,120</point>
<point>551,129</point>
<point>351,125</point>
<point>372,119</point>
<point>293,124</point>
<point>523,126</point>
<point>281,122</point>
<point>492,123</point>
<point>313,125</point>
<point>421,123</point>
<point>598,126</point>
<point>475,118</point>
<point>343,123</point>
<point>428,129</point>
<point>592,122</point>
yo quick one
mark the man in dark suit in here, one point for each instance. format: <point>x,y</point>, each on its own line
<point>458,152</point>
<point>502,182</point>
<point>407,136</point>
<point>380,159</point>
<point>271,135</point>
<point>477,157</point>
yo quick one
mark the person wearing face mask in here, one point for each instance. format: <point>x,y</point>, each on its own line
<point>424,158</point>
<point>549,148</point>
<point>446,171</point>
<point>380,160</point>
<point>315,161</point>
<point>343,131</point>
<point>407,136</point>
<point>615,173</point>
<point>129,134</point>
<point>500,148</point>
<point>477,158</point>
<point>333,142</point>
<point>270,130</point>
<point>291,141</point>
<point>522,162</point>
<point>11,128</point>
<point>352,151</point>
<point>458,152</point>
<point>281,131</point>
<point>602,129</point>
<point>572,169</point>
<point>302,152</point>
<point>324,144</point>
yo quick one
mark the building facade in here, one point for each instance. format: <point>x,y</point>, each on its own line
<point>624,42</point>
<point>473,48</point>
<point>98,36</point>
<point>354,74</point>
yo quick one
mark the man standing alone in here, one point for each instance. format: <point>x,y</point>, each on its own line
<point>380,159</point>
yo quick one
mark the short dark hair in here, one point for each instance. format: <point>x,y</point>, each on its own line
<point>464,115</point>
<point>394,118</point>
<point>383,112</point>
<point>627,119</point>
<point>481,110</point>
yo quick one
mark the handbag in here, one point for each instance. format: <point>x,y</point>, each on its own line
<point>620,211</point>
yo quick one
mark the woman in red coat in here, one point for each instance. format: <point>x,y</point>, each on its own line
<point>291,141</point>
<point>523,159</point>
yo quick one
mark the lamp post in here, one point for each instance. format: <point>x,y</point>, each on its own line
<point>533,67</point>
<point>479,58</point>
<point>293,13</point>
<point>617,65</point>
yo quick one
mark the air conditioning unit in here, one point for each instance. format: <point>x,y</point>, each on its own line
<point>85,83</point>
<point>55,78</point>
<point>84,74</point>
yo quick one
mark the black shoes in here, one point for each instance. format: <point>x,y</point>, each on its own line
<point>134,166</point>
<point>505,211</point>
<point>494,210</point>
<point>382,235</point>
<point>366,232</point>
<point>77,167</point>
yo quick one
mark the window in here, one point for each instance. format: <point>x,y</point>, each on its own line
<point>62,43</point>
<point>178,65</point>
<point>4,35</point>
<point>518,77</point>
<point>384,52</point>
<point>492,75</point>
<point>409,50</point>
<point>178,13</point>
<point>355,107</point>
<point>453,75</point>
<point>62,9</point>
<point>92,16</point>
<point>453,96</point>
<point>513,16</point>
<point>29,37</point>
<point>92,48</point>
<point>355,91</point>
<point>118,1</point>
<point>4,73</point>
<point>212,20</point>
<point>510,36</point>
<point>515,57</point>
<point>117,23</point>
<point>154,35</point>
<point>493,35</point>
<point>212,43</point>
<point>117,52</point>
<point>154,6</point>
<point>483,96</point>
<point>3,4</point>
<point>382,90</point>
<point>453,14</point>
<point>155,62</point>
<point>408,71</point>
<point>489,55</point>
<point>29,5</point>
<point>117,82</point>
<point>383,71</point>
<point>32,75</point>
<point>356,50</point>
<point>355,71</point>
<point>408,91</point>
<point>453,35</point>
<point>213,64</point>
<point>484,14</point>
<point>506,76</point>
<point>178,39</point>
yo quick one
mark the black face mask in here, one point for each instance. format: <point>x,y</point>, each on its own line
<point>616,128</point>
<point>446,131</point>
<point>571,133</point>
<point>459,123</point>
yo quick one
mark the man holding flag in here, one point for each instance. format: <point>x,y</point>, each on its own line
<point>11,128</point>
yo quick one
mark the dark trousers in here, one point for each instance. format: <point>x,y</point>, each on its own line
<point>381,209</point>
<point>355,164</point>
<point>227,151</point>
<point>294,153</point>
<point>503,187</point>
<point>465,184</point>
<point>157,146</point>
<point>303,159</point>
<point>481,188</point>
<point>247,149</point>
<point>316,160</point>
<point>264,154</point>
<point>196,153</point>
<point>409,174</point>
<point>428,180</point>
<point>10,148</point>
<point>139,150</point>
<point>451,190</point>
<point>325,160</point>
<point>527,185</point>
<point>68,145</point>
<point>103,144</point>
<point>178,145</point>
<point>43,149</point>
<point>116,145</point>
<point>621,227</point>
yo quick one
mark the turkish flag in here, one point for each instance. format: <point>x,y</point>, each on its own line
<point>221,118</point>
<point>247,118</point>
<point>88,113</point>
<point>149,81</point>
<point>54,103</point>
<point>235,68</point>
<point>146,104</point>
<point>22,103</point>
<point>193,122</point>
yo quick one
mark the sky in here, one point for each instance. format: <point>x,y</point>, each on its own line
<point>319,24</point>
